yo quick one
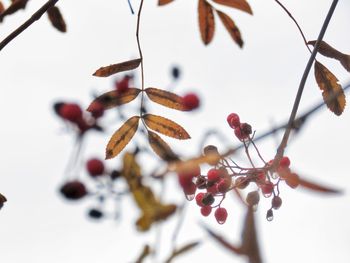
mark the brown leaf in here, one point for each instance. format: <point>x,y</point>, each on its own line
<point>235,249</point>
<point>116,68</point>
<point>206,21</point>
<point>165,98</point>
<point>166,127</point>
<point>122,137</point>
<point>231,28</point>
<point>317,187</point>
<point>13,8</point>
<point>114,98</point>
<point>332,92</point>
<point>182,250</point>
<point>164,2</point>
<point>238,4</point>
<point>161,148</point>
<point>328,51</point>
<point>56,19</point>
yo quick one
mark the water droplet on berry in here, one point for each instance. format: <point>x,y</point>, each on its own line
<point>190,197</point>
<point>269,215</point>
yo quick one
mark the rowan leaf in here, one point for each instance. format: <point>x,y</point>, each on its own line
<point>222,241</point>
<point>122,137</point>
<point>231,28</point>
<point>56,19</point>
<point>182,250</point>
<point>164,2</point>
<point>114,98</point>
<point>327,50</point>
<point>161,148</point>
<point>166,127</point>
<point>238,4</point>
<point>116,68</point>
<point>165,98</point>
<point>317,187</point>
<point>332,92</point>
<point>206,21</point>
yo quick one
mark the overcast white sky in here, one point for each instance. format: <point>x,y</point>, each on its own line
<point>259,82</point>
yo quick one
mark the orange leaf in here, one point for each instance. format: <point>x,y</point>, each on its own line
<point>161,148</point>
<point>122,137</point>
<point>328,51</point>
<point>164,2</point>
<point>56,19</point>
<point>114,98</point>
<point>206,21</point>
<point>116,68</point>
<point>231,28</point>
<point>166,127</point>
<point>332,92</point>
<point>317,187</point>
<point>165,98</point>
<point>238,4</point>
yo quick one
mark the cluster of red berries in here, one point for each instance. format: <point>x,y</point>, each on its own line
<point>190,101</point>
<point>241,130</point>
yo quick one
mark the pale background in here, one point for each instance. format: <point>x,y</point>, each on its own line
<point>258,82</point>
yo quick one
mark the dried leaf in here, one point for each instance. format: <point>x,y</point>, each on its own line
<point>145,252</point>
<point>206,21</point>
<point>164,2</point>
<point>166,127</point>
<point>114,98</point>
<point>165,98</point>
<point>238,4</point>
<point>328,51</point>
<point>250,246</point>
<point>13,8</point>
<point>231,28</point>
<point>152,209</point>
<point>116,68</point>
<point>317,187</point>
<point>161,148</point>
<point>332,92</point>
<point>122,137</point>
<point>56,19</point>
<point>182,250</point>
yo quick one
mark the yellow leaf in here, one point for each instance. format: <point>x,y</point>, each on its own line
<point>114,98</point>
<point>231,28</point>
<point>122,137</point>
<point>332,92</point>
<point>116,68</point>
<point>328,51</point>
<point>56,19</point>
<point>164,2</point>
<point>238,4</point>
<point>161,148</point>
<point>165,98</point>
<point>166,127</point>
<point>206,21</point>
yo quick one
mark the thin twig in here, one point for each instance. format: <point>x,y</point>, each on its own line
<point>36,16</point>
<point>283,145</point>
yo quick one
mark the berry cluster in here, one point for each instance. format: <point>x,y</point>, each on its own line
<point>241,130</point>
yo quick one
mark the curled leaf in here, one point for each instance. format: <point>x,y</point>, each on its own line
<point>114,98</point>
<point>56,19</point>
<point>166,127</point>
<point>164,2</point>
<point>161,148</point>
<point>206,21</point>
<point>116,68</point>
<point>327,50</point>
<point>165,98</point>
<point>238,4</point>
<point>332,92</point>
<point>122,137</point>
<point>231,28</point>
<point>182,250</point>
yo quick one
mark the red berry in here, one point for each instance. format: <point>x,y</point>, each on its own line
<point>213,189</point>
<point>71,112</point>
<point>293,180</point>
<point>96,109</point>
<point>261,177</point>
<point>220,215</point>
<point>276,202</point>
<point>190,189</point>
<point>73,190</point>
<point>122,85</point>
<point>224,185</point>
<point>185,178</point>
<point>199,199</point>
<point>233,120</point>
<point>213,175</point>
<point>267,188</point>
<point>190,101</point>
<point>206,210</point>
<point>285,162</point>
<point>95,167</point>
